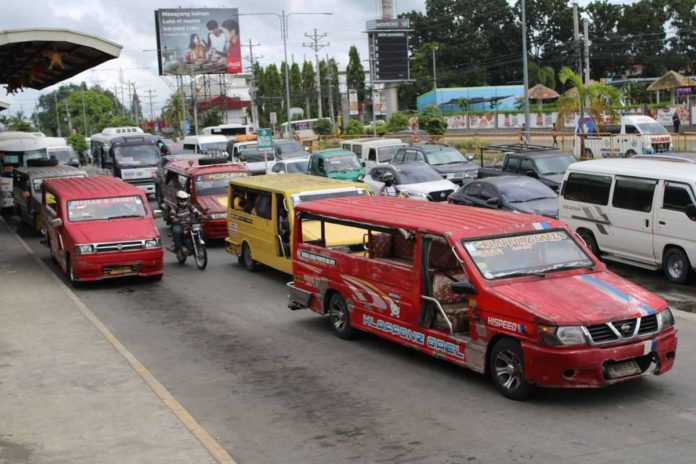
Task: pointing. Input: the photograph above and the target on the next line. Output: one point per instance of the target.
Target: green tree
(323, 127)
(273, 94)
(308, 88)
(212, 117)
(136, 109)
(355, 73)
(431, 121)
(397, 122)
(296, 91)
(172, 112)
(355, 127)
(683, 42)
(78, 142)
(19, 122)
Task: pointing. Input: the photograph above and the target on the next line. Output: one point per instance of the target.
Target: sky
(130, 23)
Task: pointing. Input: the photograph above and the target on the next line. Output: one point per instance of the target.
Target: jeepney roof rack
(517, 148)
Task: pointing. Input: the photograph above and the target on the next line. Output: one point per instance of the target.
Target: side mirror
(493, 201)
(157, 213)
(463, 288)
(56, 222)
(691, 211)
(532, 174)
(361, 177)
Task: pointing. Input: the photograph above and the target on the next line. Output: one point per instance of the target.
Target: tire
(590, 241)
(506, 366)
(200, 255)
(247, 259)
(71, 274)
(156, 278)
(338, 312)
(630, 153)
(676, 266)
(181, 257)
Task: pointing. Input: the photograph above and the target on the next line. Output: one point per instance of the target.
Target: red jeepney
(518, 296)
(100, 227)
(205, 179)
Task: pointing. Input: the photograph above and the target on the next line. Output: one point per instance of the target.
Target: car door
(631, 217)
(488, 194)
(672, 225)
(54, 232)
(471, 194)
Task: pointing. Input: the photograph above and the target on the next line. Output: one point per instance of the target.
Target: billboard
(198, 41)
(353, 102)
(388, 42)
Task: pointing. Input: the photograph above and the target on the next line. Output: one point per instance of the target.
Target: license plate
(623, 369)
(121, 270)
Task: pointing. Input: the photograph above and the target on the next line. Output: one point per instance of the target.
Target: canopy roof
(671, 80)
(4, 106)
(541, 92)
(38, 58)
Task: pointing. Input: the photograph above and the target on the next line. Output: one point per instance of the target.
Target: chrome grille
(602, 333)
(119, 246)
(622, 330)
(648, 325)
(661, 147)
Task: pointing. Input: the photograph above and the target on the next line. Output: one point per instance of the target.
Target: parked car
(446, 160)
(100, 227)
(335, 163)
(285, 149)
(257, 161)
(417, 180)
(539, 161)
(291, 166)
(512, 193)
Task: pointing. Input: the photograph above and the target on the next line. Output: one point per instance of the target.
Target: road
(276, 386)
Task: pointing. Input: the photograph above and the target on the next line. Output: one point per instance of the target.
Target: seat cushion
(442, 287)
(381, 246)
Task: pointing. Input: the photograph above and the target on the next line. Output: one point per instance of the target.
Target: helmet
(388, 175)
(181, 195)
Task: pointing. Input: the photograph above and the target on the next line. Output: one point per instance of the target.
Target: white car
(416, 180)
(292, 165)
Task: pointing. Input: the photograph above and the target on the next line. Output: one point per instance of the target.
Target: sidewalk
(66, 394)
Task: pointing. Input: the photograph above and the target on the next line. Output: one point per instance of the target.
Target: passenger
(389, 189)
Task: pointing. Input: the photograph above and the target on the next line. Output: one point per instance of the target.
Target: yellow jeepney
(260, 217)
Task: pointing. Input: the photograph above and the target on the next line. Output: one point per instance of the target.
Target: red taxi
(100, 227)
(517, 296)
(205, 179)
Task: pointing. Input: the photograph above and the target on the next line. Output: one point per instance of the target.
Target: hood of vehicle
(584, 299)
(212, 203)
(464, 166)
(115, 230)
(427, 187)
(545, 207)
(552, 180)
(352, 174)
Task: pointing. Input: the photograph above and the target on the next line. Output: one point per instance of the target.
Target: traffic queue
(522, 298)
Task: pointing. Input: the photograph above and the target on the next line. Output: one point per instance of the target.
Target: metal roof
(435, 218)
(38, 58)
(292, 183)
(49, 171)
(192, 167)
(91, 187)
(651, 169)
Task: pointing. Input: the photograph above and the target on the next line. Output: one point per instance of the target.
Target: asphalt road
(276, 386)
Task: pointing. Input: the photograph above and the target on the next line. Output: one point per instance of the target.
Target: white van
(635, 211)
(634, 135)
(213, 145)
(373, 151)
(59, 149)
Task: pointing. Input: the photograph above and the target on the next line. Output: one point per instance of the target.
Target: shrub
(323, 127)
(355, 127)
(397, 122)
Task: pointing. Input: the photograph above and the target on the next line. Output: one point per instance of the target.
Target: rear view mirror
(56, 222)
(463, 288)
(493, 201)
(532, 174)
(691, 211)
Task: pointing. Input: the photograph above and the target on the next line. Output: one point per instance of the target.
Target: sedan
(416, 180)
(292, 165)
(513, 193)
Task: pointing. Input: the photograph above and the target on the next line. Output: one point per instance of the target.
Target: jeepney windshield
(342, 163)
(305, 197)
(105, 209)
(528, 254)
(137, 155)
(215, 183)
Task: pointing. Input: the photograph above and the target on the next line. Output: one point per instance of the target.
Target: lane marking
(197, 430)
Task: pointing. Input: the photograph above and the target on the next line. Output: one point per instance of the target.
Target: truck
(542, 162)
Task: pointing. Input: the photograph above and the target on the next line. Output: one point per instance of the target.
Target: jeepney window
(348, 238)
(535, 253)
(372, 155)
(262, 205)
(526, 166)
(393, 247)
(631, 129)
(51, 202)
(634, 194)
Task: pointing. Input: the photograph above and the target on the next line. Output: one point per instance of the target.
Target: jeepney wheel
(676, 266)
(71, 273)
(247, 259)
(507, 369)
(590, 241)
(338, 312)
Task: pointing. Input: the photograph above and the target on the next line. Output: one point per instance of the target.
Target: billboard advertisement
(353, 102)
(198, 41)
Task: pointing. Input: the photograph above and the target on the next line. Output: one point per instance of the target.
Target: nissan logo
(625, 328)
(120, 247)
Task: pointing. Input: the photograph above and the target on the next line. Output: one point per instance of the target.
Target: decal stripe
(644, 309)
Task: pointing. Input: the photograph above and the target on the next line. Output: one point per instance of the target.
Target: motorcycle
(193, 245)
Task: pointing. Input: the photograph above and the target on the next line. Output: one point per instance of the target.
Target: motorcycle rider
(184, 213)
(389, 189)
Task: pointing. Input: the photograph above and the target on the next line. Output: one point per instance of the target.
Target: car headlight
(154, 243)
(471, 173)
(217, 216)
(417, 195)
(563, 335)
(665, 319)
(84, 249)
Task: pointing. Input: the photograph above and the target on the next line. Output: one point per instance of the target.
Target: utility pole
(252, 90)
(149, 94)
(576, 39)
(329, 81)
(123, 97)
(84, 116)
(67, 114)
(433, 50)
(316, 46)
(586, 36)
(525, 72)
(55, 101)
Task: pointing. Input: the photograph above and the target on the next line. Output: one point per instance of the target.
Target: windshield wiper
(125, 216)
(519, 274)
(567, 266)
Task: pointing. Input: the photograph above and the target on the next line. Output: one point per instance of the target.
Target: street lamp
(284, 32)
(433, 50)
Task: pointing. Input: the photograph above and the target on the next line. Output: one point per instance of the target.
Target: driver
(183, 214)
(389, 189)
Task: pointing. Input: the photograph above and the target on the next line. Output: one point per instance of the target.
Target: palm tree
(463, 103)
(595, 99)
(172, 112)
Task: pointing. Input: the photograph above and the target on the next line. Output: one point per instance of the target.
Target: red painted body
(384, 297)
(213, 207)
(126, 232)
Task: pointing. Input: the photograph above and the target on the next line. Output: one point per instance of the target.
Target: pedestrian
(523, 134)
(554, 129)
(676, 122)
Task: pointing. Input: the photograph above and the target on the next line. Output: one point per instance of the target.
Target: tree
(355, 127)
(212, 117)
(78, 142)
(355, 73)
(136, 110)
(323, 127)
(296, 94)
(431, 121)
(19, 122)
(397, 122)
(172, 112)
(273, 95)
(308, 88)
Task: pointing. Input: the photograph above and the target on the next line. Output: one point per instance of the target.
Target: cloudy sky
(131, 23)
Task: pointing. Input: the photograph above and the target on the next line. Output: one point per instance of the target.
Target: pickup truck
(539, 161)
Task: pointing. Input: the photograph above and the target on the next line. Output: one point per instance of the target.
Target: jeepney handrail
(442, 311)
(280, 242)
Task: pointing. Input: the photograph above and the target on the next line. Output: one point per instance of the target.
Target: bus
(127, 153)
(229, 130)
(16, 148)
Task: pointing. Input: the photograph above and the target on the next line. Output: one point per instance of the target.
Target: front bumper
(214, 229)
(587, 366)
(99, 266)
